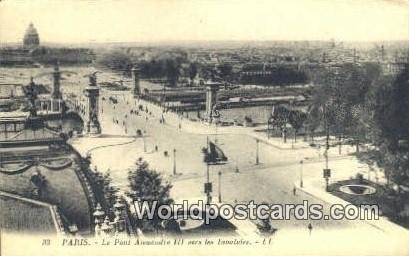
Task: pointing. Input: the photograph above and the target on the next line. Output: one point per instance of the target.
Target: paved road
(272, 181)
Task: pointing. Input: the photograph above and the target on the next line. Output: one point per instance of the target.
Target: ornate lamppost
(327, 170)
(220, 188)
(257, 151)
(301, 173)
(174, 161)
(99, 218)
(207, 184)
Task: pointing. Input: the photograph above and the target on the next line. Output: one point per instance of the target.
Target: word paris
(155, 242)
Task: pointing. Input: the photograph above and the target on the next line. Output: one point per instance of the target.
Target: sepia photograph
(204, 127)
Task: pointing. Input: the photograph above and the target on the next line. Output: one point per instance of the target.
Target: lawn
(21, 216)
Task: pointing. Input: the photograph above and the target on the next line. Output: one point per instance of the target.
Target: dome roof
(31, 30)
(31, 38)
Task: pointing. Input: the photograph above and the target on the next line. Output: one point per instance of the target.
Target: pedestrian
(156, 148)
(310, 227)
(294, 191)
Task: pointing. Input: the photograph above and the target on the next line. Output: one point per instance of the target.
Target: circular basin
(357, 189)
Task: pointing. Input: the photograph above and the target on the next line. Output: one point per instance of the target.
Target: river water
(76, 82)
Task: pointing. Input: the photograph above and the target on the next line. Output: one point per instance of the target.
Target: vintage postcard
(204, 127)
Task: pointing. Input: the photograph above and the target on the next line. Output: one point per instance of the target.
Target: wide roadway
(272, 181)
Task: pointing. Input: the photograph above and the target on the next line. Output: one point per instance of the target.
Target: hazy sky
(162, 20)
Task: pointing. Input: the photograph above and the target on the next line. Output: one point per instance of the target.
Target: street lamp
(220, 189)
(301, 174)
(326, 171)
(270, 121)
(174, 161)
(207, 184)
(144, 141)
(215, 137)
(268, 128)
(257, 151)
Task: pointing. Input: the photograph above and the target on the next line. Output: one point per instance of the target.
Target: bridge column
(60, 106)
(56, 93)
(211, 100)
(92, 125)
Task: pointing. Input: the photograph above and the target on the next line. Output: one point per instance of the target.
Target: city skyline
(100, 22)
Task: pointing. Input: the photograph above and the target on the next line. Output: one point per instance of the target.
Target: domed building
(31, 38)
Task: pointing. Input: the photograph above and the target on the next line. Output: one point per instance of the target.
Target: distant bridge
(56, 105)
(85, 104)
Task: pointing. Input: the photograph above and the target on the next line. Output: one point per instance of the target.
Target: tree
(390, 132)
(296, 119)
(361, 121)
(147, 185)
(40, 183)
(342, 91)
(313, 121)
(153, 68)
(192, 72)
(280, 120)
(105, 193)
(391, 111)
(172, 68)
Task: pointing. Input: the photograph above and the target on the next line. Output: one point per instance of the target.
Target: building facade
(31, 38)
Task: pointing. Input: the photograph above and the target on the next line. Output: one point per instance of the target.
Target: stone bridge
(85, 104)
